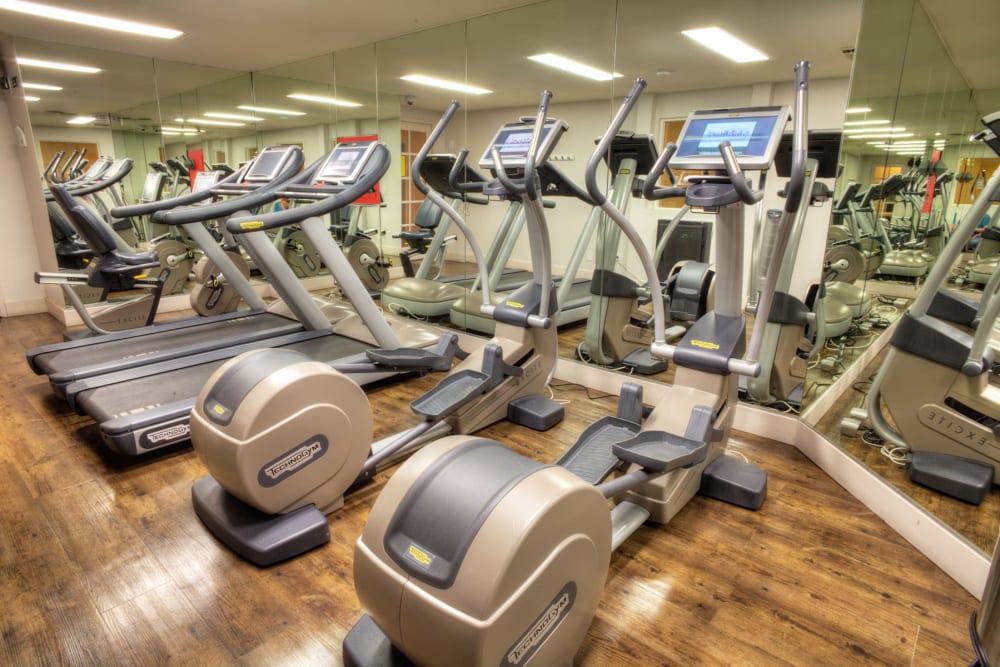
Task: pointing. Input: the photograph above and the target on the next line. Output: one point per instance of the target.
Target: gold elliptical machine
(284, 438)
(476, 555)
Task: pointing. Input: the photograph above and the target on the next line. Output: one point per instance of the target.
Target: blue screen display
(748, 135)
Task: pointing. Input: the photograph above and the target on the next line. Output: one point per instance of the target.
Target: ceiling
(489, 50)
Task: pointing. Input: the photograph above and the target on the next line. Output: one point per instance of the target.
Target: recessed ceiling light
(39, 86)
(573, 67)
(81, 120)
(287, 112)
(866, 122)
(89, 20)
(724, 44)
(447, 85)
(206, 121)
(323, 100)
(32, 98)
(232, 116)
(858, 110)
(65, 67)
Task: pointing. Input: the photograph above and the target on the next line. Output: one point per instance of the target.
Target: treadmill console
(753, 132)
(268, 164)
(513, 140)
(152, 187)
(206, 180)
(344, 163)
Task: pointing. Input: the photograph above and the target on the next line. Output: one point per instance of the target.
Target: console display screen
(753, 133)
(514, 139)
(267, 164)
(152, 187)
(345, 163)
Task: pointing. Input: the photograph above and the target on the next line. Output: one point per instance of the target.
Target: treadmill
(145, 408)
(251, 186)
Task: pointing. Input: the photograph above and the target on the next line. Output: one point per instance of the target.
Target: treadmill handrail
(224, 209)
(372, 173)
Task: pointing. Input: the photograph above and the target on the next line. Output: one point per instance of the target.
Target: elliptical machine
(476, 555)
(284, 438)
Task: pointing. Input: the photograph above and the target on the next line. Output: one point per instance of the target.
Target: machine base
(535, 411)
(645, 363)
(955, 476)
(262, 539)
(735, 482)
(367, 646)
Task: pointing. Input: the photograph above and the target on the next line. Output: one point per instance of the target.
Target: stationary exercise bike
(934, 383)
(475, 555)
(284, 438)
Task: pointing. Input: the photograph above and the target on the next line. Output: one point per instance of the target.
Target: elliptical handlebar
(604, 145)
(590, 178)
(650, 190)
(530, 187)
(747, 194)
(457, 169)
(799, 139)
(439, 200)
(418, 180)
(102, 183)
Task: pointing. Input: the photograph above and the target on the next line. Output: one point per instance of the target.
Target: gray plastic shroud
(735, 482)
(262, 539)
(711, 342)
(535, 411)
(936, 341)
(439, 530)
(953, 307)
(229, 391)
(787, 309)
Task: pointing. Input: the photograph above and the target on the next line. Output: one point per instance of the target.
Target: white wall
(24, 225)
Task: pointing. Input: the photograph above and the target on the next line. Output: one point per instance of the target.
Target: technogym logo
(165, 436)
(292, 461)
(542, 628)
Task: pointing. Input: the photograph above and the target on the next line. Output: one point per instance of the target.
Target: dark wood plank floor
(104, 562)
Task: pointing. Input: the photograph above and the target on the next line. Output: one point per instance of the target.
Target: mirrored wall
(902, 77)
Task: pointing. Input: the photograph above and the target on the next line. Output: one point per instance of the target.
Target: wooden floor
(104, 562)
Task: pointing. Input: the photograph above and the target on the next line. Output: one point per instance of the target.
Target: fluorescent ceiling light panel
(879, 135)
(323, 100)
(865, 130)
(39, 86)
(207, 121)
(89, 20)
(433, 82)
(233, 116)
(573, 67)
(858, 110)
(866, 122)
(65, 67)
(175, 133)
(32, 98)
(81, 120)
(286, 112)
(186, 130)
(724, 44)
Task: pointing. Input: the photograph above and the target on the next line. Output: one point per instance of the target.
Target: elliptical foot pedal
(591, 458)
(660, 451)
(535, 411)
(956, 476)
(262, 539)
(367, 646)
(409, 359)
(644, 363)
(450, 394)
(734, 481)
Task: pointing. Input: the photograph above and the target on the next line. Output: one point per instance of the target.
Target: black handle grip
(800, 140)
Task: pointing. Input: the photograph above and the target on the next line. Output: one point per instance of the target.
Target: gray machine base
(955, 476)
(644, 363)
(262, 539)
(735, 482)
(367, 646)
(535, 411)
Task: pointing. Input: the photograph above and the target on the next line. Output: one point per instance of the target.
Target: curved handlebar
(102, 183)
(747, 194)
(530, 187)
(650, 190)
(186, 199)
(457, 169)
(62, 176)
(501, 173)
(418, 180)
(590, 174)
(799, 139)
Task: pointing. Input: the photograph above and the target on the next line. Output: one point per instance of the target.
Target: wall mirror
(910, 107)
